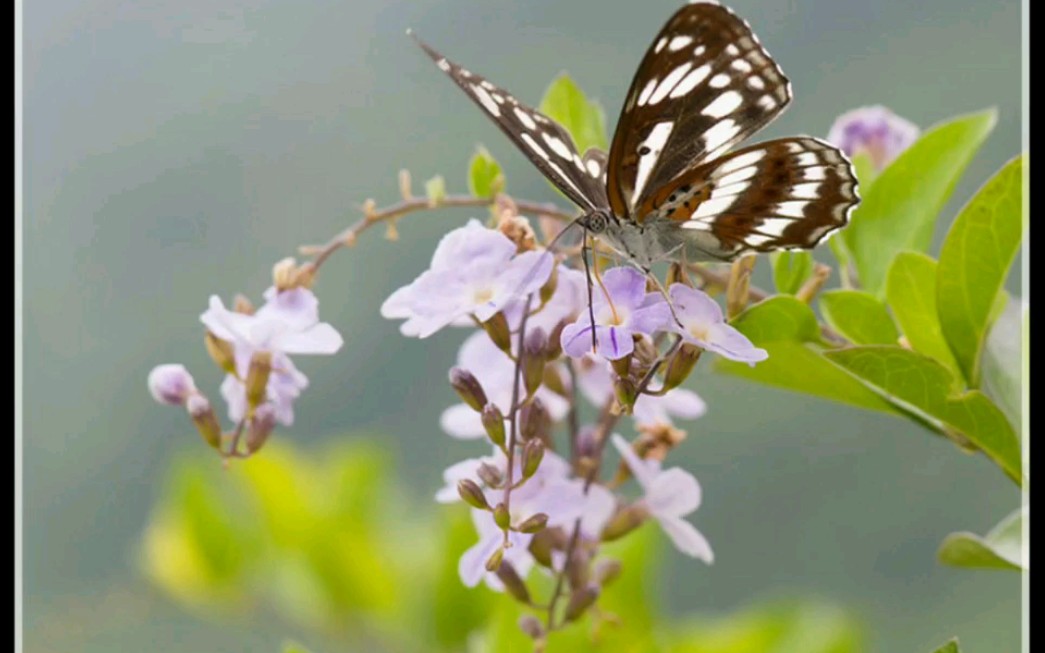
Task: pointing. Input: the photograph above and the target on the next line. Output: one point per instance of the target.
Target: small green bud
(532, 454)
(472, 494)
(261, 425)
(513, 582)
(626, 394)
(501, 517)
(258, 378)
(681, 365)
(490, 475)
(531, 626)
(533, 354)
(493, 422)
(534, 421)
(468, 388)
(221, 352)
(533, 523)
(580, 601)
(204, 419)
(495, 560)
(625, 521)
(497, 328)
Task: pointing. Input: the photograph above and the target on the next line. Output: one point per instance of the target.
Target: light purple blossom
(703, 324)
(288, 323)
(474, 272)
(171, 384)
(624, 310)
(595, 381)
(669, 495)
(568, 301)
(876, 130)
(495, 373)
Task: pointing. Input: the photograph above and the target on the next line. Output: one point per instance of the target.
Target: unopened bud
(513, 582)
(532, 454)
(495, 560)
(258, 378)
(518, 230)
(531, 626)
(554, 348)
(497, 328)
(534, 421)
(171, 384)
(622, 366)
(578, 568)
(221, 352)
(625, 521)
(284, 274)
(493, 422)
(241, 304)
(472, 494)
(624, 391)
(580, 601)
(490, 475)
(677, 274)
(546, 541)
(738, 288)
(548, 289)
(681, 365)
(204, 419)
(606, 571)
(533, 359)
(502, 517)
(261, 426)
(533, 523)
(553, 381)
(468, 388)
(404, 184)
(306, 275)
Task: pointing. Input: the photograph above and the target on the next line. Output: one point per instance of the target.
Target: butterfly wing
(704, 85)
(544, 142)
(787, 193)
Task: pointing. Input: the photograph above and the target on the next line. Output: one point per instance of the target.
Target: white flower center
(698, 330)
(482, 295)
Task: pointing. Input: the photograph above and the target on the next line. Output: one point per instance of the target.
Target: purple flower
(288, 323)
(624, 310)
(171, 384)
(475, 272)
(875, 130)
(595, 380)
(495, 373)
(669, 495)
(568, 301)
(703, 324)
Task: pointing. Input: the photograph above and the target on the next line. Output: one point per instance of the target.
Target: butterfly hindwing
(787, 193)
(704, 85)
(544, 142)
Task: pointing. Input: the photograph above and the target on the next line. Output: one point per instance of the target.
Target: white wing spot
(754, 240)
(679, 42)
(696, 225)
(775, 226)
(748, 159)
(756, 83)
(525, 119)
(746, 43)
(794, 209)
(691, 81)
(720, 134)
(560, 148)
(443, 64)
(766, 102)
(723, 105)
(532, 144)
(720, 80)
(732, 50)
(807, 191)
(746, 172)
(700, 50)
(654, 143)
(741, 66)
(669, 82)
(486, 100)
(714, 206)
(594, 169)
(814, 174)
(660, 44)
(807, 159)
(647, 91)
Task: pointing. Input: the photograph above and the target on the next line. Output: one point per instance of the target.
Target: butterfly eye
(596, 221)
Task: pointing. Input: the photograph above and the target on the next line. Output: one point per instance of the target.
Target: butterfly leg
(587, 276)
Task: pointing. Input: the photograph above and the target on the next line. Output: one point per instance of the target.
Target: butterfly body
(670, 187)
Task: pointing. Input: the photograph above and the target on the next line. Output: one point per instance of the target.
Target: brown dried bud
(532, 454)
(546, 541)
(502, 517)
(241, 304)
(493, 563)
(738, 288)
(497, 328)
(580, 601)
(258, 378)
(625, 521)
(204, 419)
(468, 388)
(518, 230)
(549, 287)
(513, 582)
(472, 494)
(578, 568)
(534, 421)
(606, 571)
(677, 274)
(681, 364)
(306, 275)
(221, 352)
(284, 274)
(531, 626)
(533, 523)
(554, 347)
(493, 422)
(490, 475)
(533, 359)
(656, 440)
(261, 425)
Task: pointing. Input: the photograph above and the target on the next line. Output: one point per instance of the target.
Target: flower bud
(490, 475)
(497, 328)
(533, 523)
(531, 626)
(580, 601)
(204, 419)
(502, 517)
(548, 289)
(534, 421)
(677, 274)
(553, 381)
(221, 352)
(739, 286)
(532, 454)
(472, 494)
(493, 422)
(875, 131)
(681, 365)
(622, 366)
(468, 388)
(241, 304)
(513, 582)
(495, 560)
(533, 359)
(284, 273)
(258, 378)
(606, 571)
(518, 230)
(171, 384)
(625, 521)
(546, 541)
(626, 394)
(578, 568)
(554, 347)
(261, 426)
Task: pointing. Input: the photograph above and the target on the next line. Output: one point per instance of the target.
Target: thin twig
(513, 412)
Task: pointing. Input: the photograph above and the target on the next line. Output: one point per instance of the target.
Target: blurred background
(178, 149)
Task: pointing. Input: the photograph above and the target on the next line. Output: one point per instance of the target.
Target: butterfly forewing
(782, 194)
(546, 144)
(704, 85)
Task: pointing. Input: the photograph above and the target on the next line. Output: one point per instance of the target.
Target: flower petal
(321, 338)
(462, 422)
(673, 493)
(625, 285)
(472, 565)
(687, 539)
(644, 471)
(725, 340)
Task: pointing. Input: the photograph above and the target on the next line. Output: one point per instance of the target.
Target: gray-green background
(175, 149)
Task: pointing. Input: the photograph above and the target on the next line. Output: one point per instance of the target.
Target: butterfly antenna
(591, 304)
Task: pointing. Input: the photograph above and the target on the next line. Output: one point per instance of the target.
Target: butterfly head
(596, 221)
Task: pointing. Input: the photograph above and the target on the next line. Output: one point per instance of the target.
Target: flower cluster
(253, 348)
(537, 499)
(875, 131)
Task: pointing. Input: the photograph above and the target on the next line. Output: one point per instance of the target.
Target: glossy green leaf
(485, 178)
(910, 289)
(790, 270)
(949, 647)
(1001, 548)
(929, 390)
(565, 103)
(788, 330)
(899, 209)
(1003, 361)
(974, 261)
(858, 316)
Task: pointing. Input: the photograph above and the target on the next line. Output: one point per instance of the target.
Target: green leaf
(1003, 362)
(930, 391)
(565, 103)
(899, 209)
(858, 316)
(790, 270)
(910, 288)
(865, 171)
(1001, 548)
(949, 647)
(485, 178)
(435, 190)
(974, 261)
(294, 647)
(787, 329)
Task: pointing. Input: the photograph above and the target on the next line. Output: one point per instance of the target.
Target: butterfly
(671, 186)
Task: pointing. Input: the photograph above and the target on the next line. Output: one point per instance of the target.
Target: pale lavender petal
(567, 302)
(644, 471)
(654, 316)
(682, 403)
(472, 565)
(673, 493)
(627, 286)
(297, 308)
(462, 422)
(235, 395)
(687, 539)
(694, 304)
(466, 469)
(599, 506)
(725, 340)
(470, 242)
(225, 324)
(562, 500)
(321, 338)
(398, 304)
(171, 384)
(613, 342)
(875, 130)
(576, 338)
